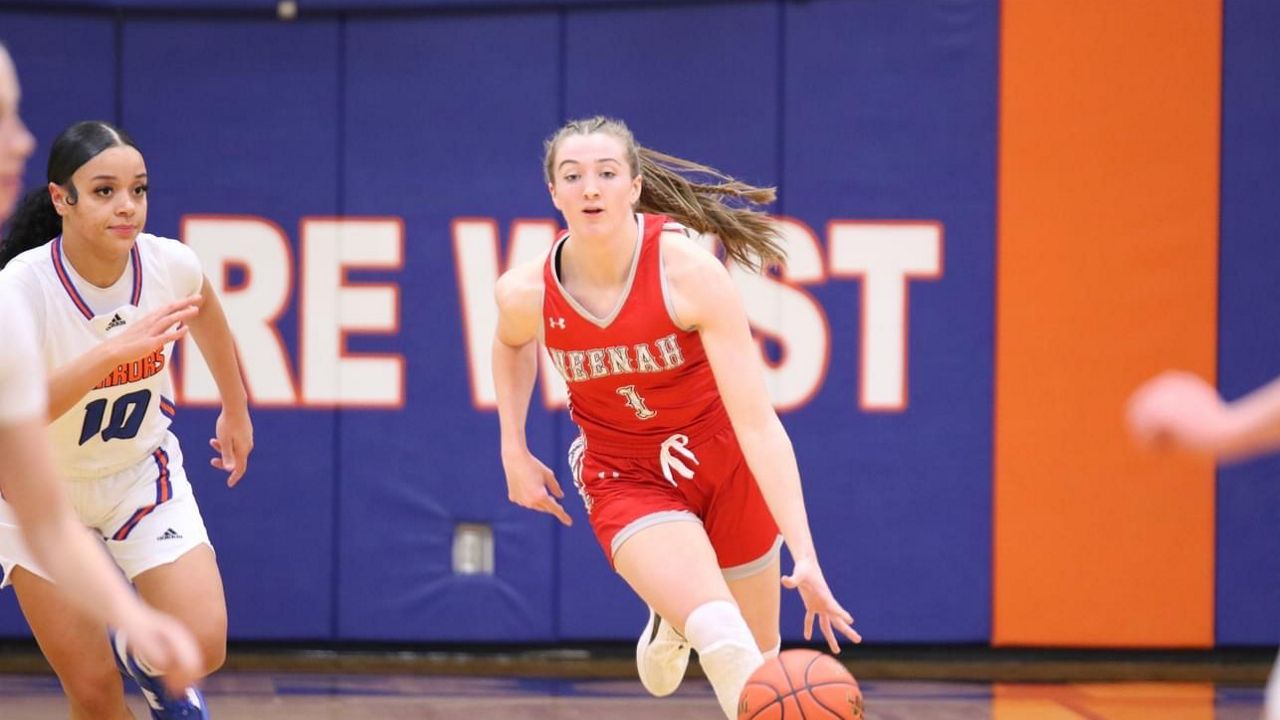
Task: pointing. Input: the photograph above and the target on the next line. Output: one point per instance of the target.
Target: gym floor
(595, 684)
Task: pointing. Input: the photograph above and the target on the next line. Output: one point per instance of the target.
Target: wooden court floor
(240, 695)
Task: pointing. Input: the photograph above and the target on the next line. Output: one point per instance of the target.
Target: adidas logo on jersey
(170, 534)
(116, 322)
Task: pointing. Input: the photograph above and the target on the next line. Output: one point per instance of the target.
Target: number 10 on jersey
(125, 421)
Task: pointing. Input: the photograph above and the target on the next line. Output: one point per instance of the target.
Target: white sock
(726, 650)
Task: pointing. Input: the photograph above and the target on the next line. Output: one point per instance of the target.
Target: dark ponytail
(35, 222)
(33, 218)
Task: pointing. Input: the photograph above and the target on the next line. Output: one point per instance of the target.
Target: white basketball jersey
(22, 379)
(126, 415)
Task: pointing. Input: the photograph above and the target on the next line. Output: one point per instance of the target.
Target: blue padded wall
(435, 110)
(1248, 570)
(440, 116)
(239, 117)
(890, 113)
(431, 135)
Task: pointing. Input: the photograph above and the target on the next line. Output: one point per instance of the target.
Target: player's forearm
(213, 336)
(70, 382)
(514, 371)
(772, 460)
(1253, 422)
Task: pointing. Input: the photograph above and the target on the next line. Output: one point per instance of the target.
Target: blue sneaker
(162, 705)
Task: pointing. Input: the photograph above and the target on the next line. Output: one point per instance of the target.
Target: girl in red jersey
(686, 472)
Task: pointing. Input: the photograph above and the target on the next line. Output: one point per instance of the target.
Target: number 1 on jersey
(126, 417)
(635, 402)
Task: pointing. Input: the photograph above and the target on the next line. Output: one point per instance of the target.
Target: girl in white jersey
(1179, 409)
(28, 483)
(76, 255)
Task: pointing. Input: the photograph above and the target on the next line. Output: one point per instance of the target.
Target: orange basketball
(801, 684)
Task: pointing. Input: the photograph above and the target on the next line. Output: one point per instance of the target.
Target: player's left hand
(233, 443)
(806, 577)
(1179, 409)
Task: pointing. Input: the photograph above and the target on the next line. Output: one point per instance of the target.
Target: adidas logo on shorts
(116, 322)
(170, 534)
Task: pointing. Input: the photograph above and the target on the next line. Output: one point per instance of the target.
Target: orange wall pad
(1107, 273)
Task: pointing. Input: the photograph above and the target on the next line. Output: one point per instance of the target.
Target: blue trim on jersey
(136, 296)
(61, 270)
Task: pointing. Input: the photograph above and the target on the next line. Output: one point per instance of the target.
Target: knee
(210, 632)
(717, 623)
(726, 650)
(96, 692)
(213, 648)
(215, 654)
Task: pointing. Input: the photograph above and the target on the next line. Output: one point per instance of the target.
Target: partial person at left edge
(105, 302)
(34, 494)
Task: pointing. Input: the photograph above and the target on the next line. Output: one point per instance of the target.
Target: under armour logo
(116, 322)
(557, 323)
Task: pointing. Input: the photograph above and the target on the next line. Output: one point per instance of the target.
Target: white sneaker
(662, 655)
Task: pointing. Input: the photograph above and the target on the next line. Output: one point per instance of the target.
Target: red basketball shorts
(684, 479)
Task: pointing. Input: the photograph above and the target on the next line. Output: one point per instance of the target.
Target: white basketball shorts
(146, 515)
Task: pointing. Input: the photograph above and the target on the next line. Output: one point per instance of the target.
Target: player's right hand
(164, 644)
(530, 484)
(157, 328)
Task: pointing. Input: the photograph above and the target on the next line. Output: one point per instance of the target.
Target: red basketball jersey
(635, 378)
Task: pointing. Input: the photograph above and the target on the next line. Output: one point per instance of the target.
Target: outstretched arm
(530, 483)
(706, 298)
(1181, 409)
(233, 430)
(70, 382)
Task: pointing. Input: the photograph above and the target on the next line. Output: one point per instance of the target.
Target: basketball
(801, 684)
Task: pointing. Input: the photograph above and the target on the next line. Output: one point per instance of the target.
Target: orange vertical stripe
(1108, 225)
